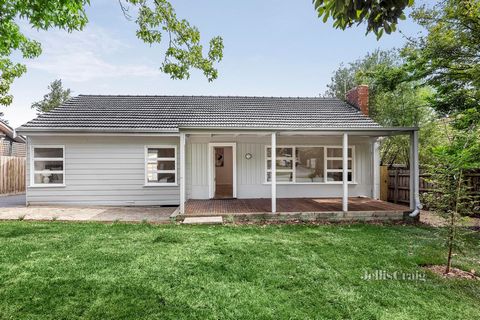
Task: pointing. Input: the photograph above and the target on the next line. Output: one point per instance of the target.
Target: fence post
(384, 183)
(395, 186)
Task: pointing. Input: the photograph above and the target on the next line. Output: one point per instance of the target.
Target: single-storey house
(175, 150)
(11, 144)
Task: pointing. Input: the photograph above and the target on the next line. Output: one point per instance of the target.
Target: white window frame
(326, 158)
(325, 170)
(33, 171)
(292, 158)
(161, 184)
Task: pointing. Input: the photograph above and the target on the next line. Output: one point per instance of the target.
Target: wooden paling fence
(395, 184)
(12, 175)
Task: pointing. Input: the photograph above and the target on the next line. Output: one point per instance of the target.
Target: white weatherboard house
(169, 150)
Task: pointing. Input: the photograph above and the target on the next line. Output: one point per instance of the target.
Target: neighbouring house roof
(171, 113)
(9, 132)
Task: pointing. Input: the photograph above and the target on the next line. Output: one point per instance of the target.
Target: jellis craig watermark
(383, 275)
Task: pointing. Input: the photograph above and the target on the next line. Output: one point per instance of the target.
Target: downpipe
(418, 207)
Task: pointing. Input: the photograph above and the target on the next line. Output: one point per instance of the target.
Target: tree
(380, 15)
(447, 57)
(154, 19)
(390, 105)
(347, 77)
(56, 97)
(450, 196)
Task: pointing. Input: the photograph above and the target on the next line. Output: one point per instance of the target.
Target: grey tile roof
(169, 113)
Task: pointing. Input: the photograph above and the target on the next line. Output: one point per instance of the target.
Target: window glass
(315, 164)
(154, 153)
(161, 165)
(41, 165)
(337, 176)
(309, 164)
(48, 152)
(48, 165)
(281, 152)
(48, 178)
(159, 170)
(281, 176)
(161, 177)
(281, 164)
(337, 164)
(337, 152)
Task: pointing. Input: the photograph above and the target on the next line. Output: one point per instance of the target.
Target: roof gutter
(51, 130)
(359, 129)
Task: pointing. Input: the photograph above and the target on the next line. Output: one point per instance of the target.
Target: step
(203, 220)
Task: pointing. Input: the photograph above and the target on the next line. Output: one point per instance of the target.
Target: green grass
(59, 270)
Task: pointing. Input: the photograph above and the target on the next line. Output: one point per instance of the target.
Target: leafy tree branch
(154, 19)
(379, 15)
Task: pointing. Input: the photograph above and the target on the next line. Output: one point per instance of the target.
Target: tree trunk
(450, 251)
(452, 226)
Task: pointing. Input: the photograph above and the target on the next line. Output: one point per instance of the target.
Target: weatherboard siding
(102, 170)
(251, 173)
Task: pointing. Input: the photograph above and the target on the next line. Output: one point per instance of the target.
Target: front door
(223, 177)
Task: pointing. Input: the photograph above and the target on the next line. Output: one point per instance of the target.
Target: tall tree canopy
(447, 57)
(402, 105)
(54, 98)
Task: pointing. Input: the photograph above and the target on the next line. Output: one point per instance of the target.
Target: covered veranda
(343, 203)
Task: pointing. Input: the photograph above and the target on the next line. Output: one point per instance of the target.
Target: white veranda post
(345, 172)
(414, 170)
(182, 172)
(273, 172)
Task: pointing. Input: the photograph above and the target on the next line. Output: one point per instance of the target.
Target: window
(335, 164)
(284, 163)
(161, 165)
(48, 165)
(309, 164)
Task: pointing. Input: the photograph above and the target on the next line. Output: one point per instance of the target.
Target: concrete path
(13, 201)
(203, 220)
(104, 214)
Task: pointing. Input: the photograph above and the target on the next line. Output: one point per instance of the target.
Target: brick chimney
(358, 97)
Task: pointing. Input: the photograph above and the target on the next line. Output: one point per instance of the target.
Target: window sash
(46, 171)
(326, 170)
(156, 160)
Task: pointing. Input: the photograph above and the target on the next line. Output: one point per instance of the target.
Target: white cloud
(85, 56)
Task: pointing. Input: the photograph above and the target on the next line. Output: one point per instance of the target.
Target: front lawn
(59, 270)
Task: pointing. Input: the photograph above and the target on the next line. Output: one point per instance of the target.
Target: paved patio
(100, 214)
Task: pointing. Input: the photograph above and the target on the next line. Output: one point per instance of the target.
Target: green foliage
(154, 19)
(380, 16)
(184, 48)
(447, 57)
(390, 104)
(358, 72)
(56, 97)
(450, 196)
(64, 14)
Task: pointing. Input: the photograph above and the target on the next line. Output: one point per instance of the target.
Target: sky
(272, 48)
